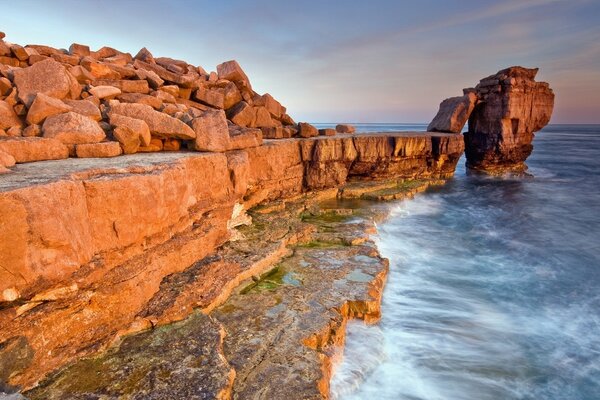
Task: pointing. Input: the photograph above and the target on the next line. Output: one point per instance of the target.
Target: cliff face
(504, 111)
(87, 246)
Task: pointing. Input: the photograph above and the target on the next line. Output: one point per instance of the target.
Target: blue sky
(356, 61)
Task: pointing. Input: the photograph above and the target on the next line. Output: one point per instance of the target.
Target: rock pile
(57, 103)
(504, 111)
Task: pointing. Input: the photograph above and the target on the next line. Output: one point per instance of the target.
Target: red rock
(262, 118)
(6, 160)
(289, 131)
(153, 79)
(512, 107)
(85, 107)
(185, 93)
(231, 71)
(5, 86)
(275, 132)
(144, 55)
(81, 74)
(138, 126)
(171, 145)
(28, 149)
(105, 52)
(182, 80)
(13, 62)
(149, 100)
(129, 140)
(99, 70)
(66, 59)
(210, 97)
(104, 92)
(244, 138)
(212, 132)
(72, 128)
(306, 130)
(241, 114)
(453, 114)
(14, 131)
(160, 124)
(327, 132)
(19, 52)
(154, 146)
(231, 95)
(8, 117)
(345, 128)
(98, 150)
(48, 77)
(45, 106)
(126, 86)
(164, 96)
(32, 131)
(273, 106)
(79, 50)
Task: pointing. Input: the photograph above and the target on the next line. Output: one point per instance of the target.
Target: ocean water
(494, 285)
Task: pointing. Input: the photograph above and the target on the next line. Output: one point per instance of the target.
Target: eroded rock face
(512, 107)
(48, 77)
(453, 114)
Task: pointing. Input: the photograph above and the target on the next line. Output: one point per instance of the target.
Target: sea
(494, 284)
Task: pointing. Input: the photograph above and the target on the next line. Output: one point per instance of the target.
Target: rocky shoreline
(168, 232)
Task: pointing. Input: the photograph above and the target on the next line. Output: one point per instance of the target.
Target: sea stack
(509, 107)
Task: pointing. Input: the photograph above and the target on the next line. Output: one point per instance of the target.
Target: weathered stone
(14, 131)
(147, 99)
(345, 128)
(152, 77)
(306, 130)
(45, 106)
(105, 52)
(503, 123)
(171, 145)
(79, 50)
(327, 132)
(98, 150)
(32, 131)
(6, 160)
(262, 118)
(144, 55)
(99, 70)
(210, 97)
(453, 114)
(13, 62)
(5, 86)
(85, 107)
(81, 74)
(66, 58)
(138, 126)
(126, 86)
(72, 128)
(48, 77)
(8, 117)
(182, 80)
(212, 132)
(241, 114)
(155, 145)
(129, 140)
(231, 95)
(105, 92)
(28, 149)
(19, 52)
(273, 106)
(244, 138)
(160, 124)
(231, 71)
(275, 132)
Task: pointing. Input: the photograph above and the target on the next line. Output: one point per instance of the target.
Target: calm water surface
(494, 288)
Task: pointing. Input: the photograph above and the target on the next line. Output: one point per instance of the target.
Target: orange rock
(273, 106)
(98, 150)
(306, 130)
(244, 138)
(28, 149)
(210, 97)
(160, 124)
(45, 106)
(8, 117)
(6, 160)
(155, 145)
(32, 131)
(275, 132)
(105, 92)
(79, 50)
(151, 101)
(144, 55)
(85, 107)
(327, 132)
(212, 133)
(129, 139)
(48, 77)
(262, 118)
(99, 70)
(231, 95)
(125, 86)
(242, 114)
(5, 86)
(19, 52)
(345, 128)
(136, 125)
(453, 114)
(171, 145)
(231, 71)
(72, 128)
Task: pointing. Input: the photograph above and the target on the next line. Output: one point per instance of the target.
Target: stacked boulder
(504, 111)
(58, 103)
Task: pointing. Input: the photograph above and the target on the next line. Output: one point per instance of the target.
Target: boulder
(306, 130)
(345, 128)
(105, 92)
(453, 114)
(5, 86)
(212, 132)
(32, 131)
(186, 80)
(72, 128)
(160, 124)
(138, 126)
(98, 150)
(28, 149)
(147, 99)
(231, 71)
(129, 139)
(81, 74)
(171, 145)
(512, 107)
(244, 138)
(241, 114)
(6, 160)
(126, 86)
(79, 50)
(327, 132)
(231, 95)
(210, 97)
(273, 106)
(85, 107)
(274, 132)
(19, 52)
(154, 146)
(45, 106)
(144, 55)
(8, 117)
(48, 77)
(262, 118)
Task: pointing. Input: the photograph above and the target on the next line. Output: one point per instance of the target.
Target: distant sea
(494, 288)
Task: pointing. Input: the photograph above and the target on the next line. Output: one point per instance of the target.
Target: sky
(345, 61)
